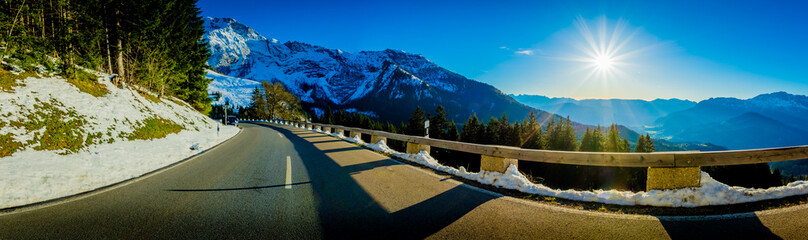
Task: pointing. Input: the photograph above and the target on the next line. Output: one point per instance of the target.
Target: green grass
(62, 129)
(154, 128)
(8, 146)
(8, 80)
(88, 83)
(148, 96)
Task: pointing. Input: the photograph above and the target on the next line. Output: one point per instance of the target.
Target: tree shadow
(744, 227)
(346, 210)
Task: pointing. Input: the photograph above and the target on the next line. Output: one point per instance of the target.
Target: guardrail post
(352, 134)
(327, 129)
(672, 178)
(339, 131)
(416, 148)
(496, 164)
(376, 139)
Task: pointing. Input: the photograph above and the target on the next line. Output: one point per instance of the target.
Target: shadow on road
(737, 228)
(346, 211)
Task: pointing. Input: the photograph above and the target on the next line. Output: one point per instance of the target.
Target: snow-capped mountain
(388, 83)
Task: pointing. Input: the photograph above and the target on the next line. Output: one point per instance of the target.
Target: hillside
(60, 137)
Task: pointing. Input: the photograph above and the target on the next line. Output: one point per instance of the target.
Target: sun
(603, 49)
(603, 62)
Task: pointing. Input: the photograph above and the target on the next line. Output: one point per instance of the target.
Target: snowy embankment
(710, 193)
(104, 139)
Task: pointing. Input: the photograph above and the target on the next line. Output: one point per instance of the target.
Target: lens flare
(604, 48)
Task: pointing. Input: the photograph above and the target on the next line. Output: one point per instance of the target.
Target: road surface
(273, 182)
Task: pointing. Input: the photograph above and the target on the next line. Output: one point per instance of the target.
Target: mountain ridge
(324, 78)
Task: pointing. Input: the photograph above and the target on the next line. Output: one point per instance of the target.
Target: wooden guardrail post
(661, 178)
(496, 164)
(327, 129)
(339, 131)
(416, 148)
(376, 139)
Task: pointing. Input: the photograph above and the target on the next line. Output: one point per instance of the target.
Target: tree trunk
(109, 55)
(119, 45)
(42, 20)
(53, 27)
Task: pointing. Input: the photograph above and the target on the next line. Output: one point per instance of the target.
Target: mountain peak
(230, 24)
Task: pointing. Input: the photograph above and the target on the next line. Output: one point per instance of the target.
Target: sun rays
(603, 49)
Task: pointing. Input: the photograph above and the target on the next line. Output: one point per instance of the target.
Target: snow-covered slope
(236, 91)
(390, 83)
(64, 141)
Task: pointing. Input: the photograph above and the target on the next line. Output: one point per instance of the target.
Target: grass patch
(148, 96)
(8, 80)
(62, 129)
(154, 128)
(88, 83)
(8, 146)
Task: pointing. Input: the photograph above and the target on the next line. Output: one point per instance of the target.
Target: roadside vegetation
(87, 83)
(53, 129)
(154, 128)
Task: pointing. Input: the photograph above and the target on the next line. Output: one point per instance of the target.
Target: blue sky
(677, 49)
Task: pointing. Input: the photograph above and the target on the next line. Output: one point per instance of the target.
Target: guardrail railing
(666, 170)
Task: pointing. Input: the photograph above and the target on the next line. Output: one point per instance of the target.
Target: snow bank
(30, 176)
(710, 193)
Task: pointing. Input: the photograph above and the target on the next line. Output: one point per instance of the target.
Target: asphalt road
(271, 182)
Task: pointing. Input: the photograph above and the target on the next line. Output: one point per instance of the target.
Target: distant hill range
(635, 114)
(767, 120)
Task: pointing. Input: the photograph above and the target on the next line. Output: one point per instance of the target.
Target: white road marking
(279, 134)
(288, 173)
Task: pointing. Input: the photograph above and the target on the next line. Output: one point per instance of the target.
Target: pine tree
(614, 142)
(640, 147)
(452, 133)
(471, 130)
(587, 145)
(492, 132)
(438, 124)
(415, 126)
(532, 133)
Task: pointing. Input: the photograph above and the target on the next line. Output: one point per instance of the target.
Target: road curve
(272, 182)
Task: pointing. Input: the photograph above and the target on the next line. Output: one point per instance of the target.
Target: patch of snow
(368, 113)
(318, 112)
